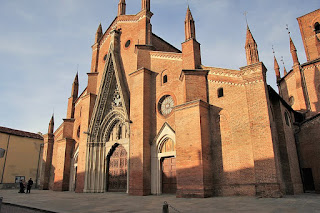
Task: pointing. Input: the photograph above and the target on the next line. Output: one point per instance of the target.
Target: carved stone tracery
(108, 124)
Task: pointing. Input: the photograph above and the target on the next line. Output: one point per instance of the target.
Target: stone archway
(114, 131)
(117, 169)
(162, 148)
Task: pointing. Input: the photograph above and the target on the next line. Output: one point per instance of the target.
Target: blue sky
(43, 42)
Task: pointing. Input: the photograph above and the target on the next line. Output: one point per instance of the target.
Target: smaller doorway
(169, 180)
(308, 182)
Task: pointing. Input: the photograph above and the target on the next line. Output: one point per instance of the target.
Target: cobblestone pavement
(69, 202)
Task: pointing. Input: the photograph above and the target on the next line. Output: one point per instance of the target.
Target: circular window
(127, 44)
(166, 105)
(291, 100)
(105, 57)
(78, 132)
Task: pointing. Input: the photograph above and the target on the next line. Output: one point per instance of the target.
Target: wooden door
(117, 176)
(169, 181)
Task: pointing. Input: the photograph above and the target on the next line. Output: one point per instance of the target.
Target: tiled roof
(20, 133)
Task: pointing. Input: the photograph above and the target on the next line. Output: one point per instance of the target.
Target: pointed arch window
(78, 132)
(165, 79)
(220, 92)
(287, 118)
(317, 27)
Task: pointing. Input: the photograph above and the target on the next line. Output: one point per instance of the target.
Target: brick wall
(309, 148)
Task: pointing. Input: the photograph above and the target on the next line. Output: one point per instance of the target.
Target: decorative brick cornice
(236, 84)
(306, 67)
(225, 73)
(166, 55)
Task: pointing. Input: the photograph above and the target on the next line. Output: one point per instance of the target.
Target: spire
(284, 67)
(51, 125)
(251, 48)
(98, 34)
(145, 5)
(293, 51)
(121, 7)
(276, 68)
(75, 87)
(189, 26)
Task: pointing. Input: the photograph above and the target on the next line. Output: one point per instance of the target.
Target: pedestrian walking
(29, 185)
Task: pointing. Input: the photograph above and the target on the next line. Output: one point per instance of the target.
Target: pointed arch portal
(108, 141)
(163, 161)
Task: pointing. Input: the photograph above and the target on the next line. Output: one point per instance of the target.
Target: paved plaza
(69, 202)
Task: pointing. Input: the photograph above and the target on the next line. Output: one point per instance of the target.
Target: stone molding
(166, 55)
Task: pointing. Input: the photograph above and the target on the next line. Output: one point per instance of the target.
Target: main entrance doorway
(169, 181)
(117, 170)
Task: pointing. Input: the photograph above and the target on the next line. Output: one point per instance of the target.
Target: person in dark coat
(29, 185)
(21, 187)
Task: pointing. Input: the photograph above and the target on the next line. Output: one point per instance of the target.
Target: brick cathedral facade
(154, 119)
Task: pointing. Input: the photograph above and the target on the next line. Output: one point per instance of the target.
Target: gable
(113, 97)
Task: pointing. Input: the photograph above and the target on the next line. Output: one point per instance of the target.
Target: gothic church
(153, 119)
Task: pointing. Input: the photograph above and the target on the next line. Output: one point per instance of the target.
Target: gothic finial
(284, 67)
(287, 27)
(121, 7)
(51, 125)
(98, 33)
(273, 51)
(190, 31)
(145, 5)
(276, 68)
(293, 50)
(245, 15)
(75, 87)
(251, 47)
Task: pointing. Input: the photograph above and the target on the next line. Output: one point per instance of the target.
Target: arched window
(287, 118)
(165, 79)
(78, 132)
(220, 92)
(119, 132)
(317, 27)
